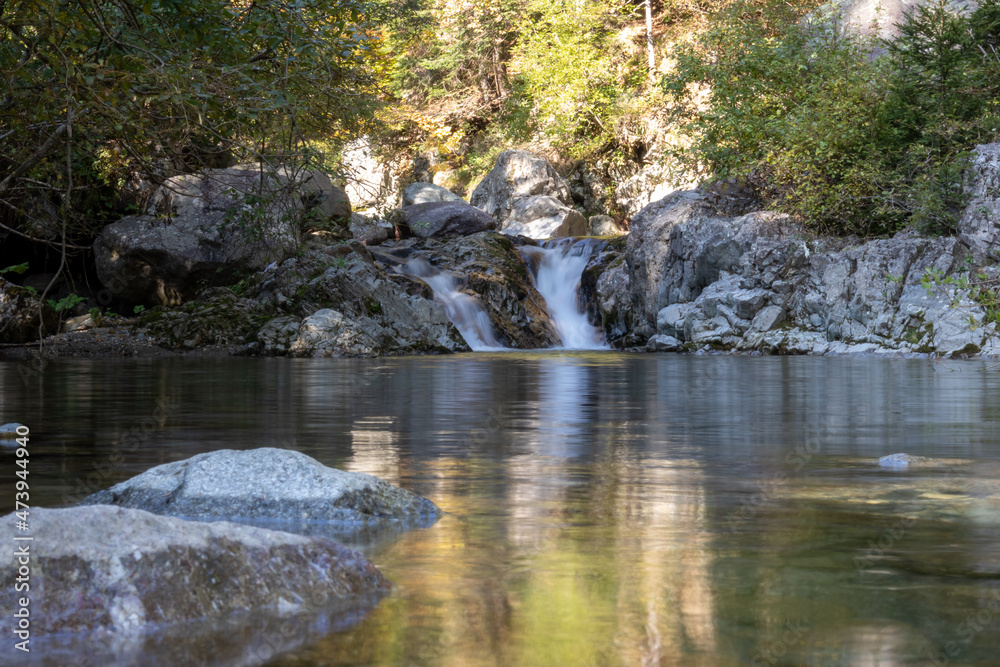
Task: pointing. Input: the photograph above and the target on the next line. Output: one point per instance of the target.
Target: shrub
(824, 128)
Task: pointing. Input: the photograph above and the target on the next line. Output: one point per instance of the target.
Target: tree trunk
(650, 56)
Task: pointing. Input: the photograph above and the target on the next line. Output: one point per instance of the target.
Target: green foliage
(95, 93)
(566, 60)
(451, 49)
(981, 290)
(66, 303)
(16, 268)
(825, 129)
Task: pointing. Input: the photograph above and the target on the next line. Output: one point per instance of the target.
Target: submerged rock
(114, 570)
(905, 461)
(265, 483)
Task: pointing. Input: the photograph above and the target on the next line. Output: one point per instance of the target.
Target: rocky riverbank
(147, 558)
(316, 280)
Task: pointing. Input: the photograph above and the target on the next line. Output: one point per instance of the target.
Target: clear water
(604, 508)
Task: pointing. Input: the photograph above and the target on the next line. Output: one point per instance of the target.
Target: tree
(94, 92)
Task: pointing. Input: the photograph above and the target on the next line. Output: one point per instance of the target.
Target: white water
(466, 312)
(556, 268)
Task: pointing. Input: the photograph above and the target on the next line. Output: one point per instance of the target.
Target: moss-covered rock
(218, 317)
(21, 317)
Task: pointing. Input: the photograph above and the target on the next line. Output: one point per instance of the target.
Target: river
(603, 508)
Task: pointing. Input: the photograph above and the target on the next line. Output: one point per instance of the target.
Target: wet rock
(543, 217)
(20, 315)
(516, 175)
(446, 218)
(604, 289)
(487, 265)
(9, 431)
(265, 483)
(661, 343)
(208, 228)
(377, 313)
(426, 193)
(110, 570)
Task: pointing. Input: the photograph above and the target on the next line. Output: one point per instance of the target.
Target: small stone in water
(901, 460)
(9, 431)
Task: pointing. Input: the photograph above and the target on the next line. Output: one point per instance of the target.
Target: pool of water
(603, 508)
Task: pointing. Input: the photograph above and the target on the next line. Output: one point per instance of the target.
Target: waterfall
(466, 312)
(556, 268)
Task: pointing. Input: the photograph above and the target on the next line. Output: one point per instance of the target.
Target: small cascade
(556, 268)
(466, 312)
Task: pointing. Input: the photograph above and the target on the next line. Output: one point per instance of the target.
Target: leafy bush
(824, 128)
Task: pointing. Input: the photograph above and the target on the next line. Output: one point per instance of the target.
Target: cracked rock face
(265, 483)
(760, 282)
(109, 570)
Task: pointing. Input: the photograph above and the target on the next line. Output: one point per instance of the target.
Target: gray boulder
(446, 218)
(370, 231)
(20, 315)
(110, 570)
(426, 193)
(543, 217)
(370, 183)
(603, 225)
(518, 174)
(653, 181)
(265, 483)
(208, 228)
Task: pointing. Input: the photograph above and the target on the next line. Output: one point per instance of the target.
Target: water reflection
(604, 509)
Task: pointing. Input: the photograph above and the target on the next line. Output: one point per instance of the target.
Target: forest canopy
(96, 92)
(851, 134)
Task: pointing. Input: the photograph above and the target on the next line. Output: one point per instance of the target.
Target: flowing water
(556, 267)
(603, 508)
(465, 311)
